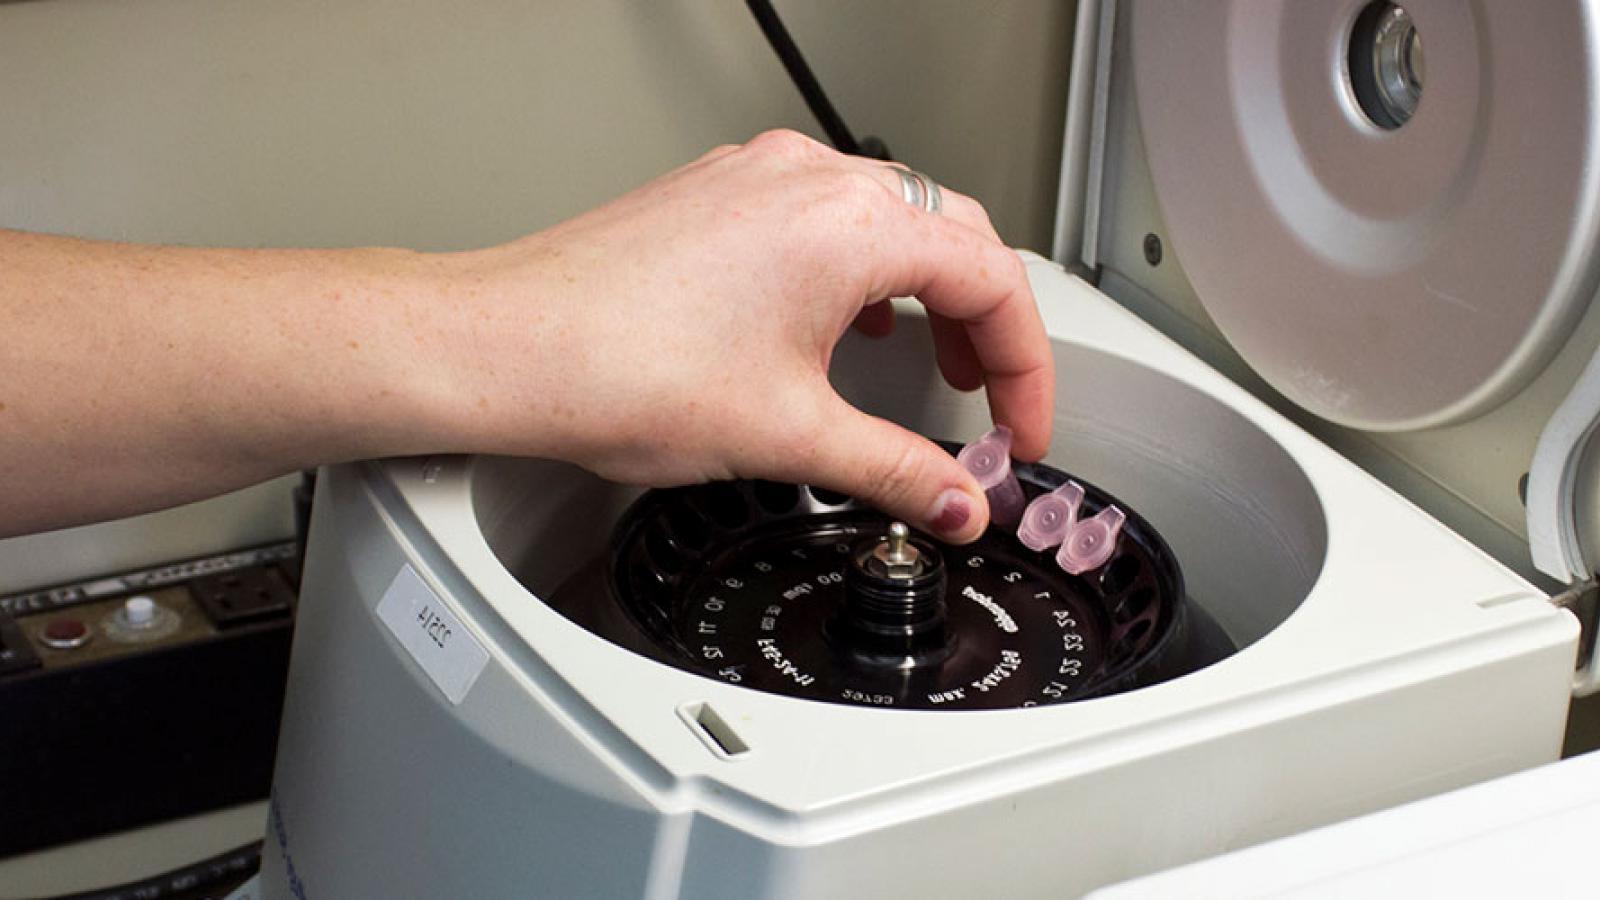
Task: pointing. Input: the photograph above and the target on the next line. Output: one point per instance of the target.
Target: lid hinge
(1582, 599)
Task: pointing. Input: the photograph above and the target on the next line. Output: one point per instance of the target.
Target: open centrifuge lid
(1391, 213)
(1384, 278)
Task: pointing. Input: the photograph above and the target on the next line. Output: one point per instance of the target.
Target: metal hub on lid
(798, 591)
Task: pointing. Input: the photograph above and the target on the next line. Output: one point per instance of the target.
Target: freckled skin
(679, 333)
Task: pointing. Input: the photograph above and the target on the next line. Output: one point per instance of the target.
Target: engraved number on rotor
(869, 699)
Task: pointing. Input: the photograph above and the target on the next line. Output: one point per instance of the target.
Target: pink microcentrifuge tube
(989, 460)
(1091, 542)
(1050, 516)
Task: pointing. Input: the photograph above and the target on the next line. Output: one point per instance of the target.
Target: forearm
(680, 333)
(135, 377)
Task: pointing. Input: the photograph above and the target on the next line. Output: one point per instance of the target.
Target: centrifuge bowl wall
(1240, 514)
(1389, 659)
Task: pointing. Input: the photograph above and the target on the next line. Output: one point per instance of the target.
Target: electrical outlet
(243, 595)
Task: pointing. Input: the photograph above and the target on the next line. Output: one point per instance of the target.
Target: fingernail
(950, 512)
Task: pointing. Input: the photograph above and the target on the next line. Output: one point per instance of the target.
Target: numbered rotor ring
(799, 591)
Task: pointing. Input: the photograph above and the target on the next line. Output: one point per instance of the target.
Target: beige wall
(443, 125)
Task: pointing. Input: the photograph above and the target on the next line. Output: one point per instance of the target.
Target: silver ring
(919, 190)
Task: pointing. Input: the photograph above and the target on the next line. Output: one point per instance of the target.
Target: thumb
(901, 473)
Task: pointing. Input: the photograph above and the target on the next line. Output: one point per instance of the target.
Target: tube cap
(1090, 543)
(989, 460)
(1048, 519)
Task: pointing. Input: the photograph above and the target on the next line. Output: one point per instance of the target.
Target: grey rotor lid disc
(1383, 276)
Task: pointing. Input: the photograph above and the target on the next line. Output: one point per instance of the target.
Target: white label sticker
(432, 633)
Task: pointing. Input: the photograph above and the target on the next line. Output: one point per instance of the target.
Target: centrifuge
(1318, 266)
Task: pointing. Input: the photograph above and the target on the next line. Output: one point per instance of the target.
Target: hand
(678, 334)
(683, 332)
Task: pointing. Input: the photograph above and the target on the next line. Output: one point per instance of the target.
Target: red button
(66, 633)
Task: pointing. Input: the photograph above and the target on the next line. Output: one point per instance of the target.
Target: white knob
(139, 611)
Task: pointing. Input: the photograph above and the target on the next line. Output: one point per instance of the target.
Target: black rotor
(800, 591)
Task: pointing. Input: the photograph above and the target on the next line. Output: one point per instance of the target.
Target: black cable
(204, 880)
(810, 89)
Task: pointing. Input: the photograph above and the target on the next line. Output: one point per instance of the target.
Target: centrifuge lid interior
(1411, 195)
(1391, 213)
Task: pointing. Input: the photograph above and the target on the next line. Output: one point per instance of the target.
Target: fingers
(959, 207)
(955, 205)
(958, 361)
(970, 279)
(986, 326)
(876, 320)
(896, 471)
(985, 322)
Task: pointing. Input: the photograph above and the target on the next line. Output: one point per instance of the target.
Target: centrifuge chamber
(1382, 658)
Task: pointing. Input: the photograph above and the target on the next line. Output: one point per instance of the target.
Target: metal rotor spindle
(894, 611)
